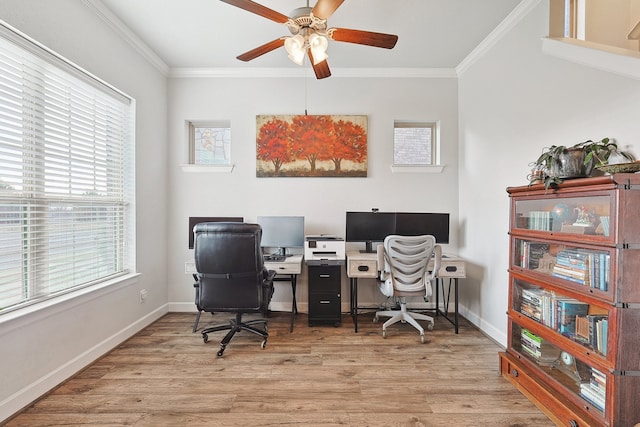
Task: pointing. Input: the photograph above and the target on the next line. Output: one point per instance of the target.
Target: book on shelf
(583, 266)
(532, 253)
(540, 220)
(538, 349)
(568, 310)
(595, 391)
(592, 330)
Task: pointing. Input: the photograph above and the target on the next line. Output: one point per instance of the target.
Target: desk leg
(354, 301)
(456, 303)
(294, 304)
(446, 298)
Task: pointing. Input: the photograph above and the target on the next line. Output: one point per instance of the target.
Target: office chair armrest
(269, 275)
(437, 261)
(383, 274)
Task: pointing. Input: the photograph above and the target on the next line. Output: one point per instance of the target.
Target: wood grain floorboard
(316, 376)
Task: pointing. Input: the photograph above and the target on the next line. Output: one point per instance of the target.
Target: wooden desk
(365, 266)
(287, 271)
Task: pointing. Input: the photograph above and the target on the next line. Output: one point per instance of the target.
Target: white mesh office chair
(403, 262)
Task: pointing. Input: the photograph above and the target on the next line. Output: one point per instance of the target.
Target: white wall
(39, 351)
(323, 201)
(513, 102)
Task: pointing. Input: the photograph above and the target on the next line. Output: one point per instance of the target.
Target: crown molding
(507, 24)
(121, 29)
(254, 72)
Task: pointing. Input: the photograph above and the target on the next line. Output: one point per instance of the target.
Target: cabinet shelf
(574, 305)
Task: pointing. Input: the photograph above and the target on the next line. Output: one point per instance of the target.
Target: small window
(210, 143)
(414, 144)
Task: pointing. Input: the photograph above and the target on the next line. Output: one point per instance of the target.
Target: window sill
(207, 168)
(615, 60)
(38, 312)
(416, 169)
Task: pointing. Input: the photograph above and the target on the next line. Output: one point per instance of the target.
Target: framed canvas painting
(311, 146)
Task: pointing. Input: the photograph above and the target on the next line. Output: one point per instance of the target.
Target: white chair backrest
(406, 259)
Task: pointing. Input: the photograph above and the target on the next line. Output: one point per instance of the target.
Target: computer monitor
(193, 220)
(419, 223)
(282, 232)
(369, 227)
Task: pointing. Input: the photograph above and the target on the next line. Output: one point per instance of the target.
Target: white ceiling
(210, 33)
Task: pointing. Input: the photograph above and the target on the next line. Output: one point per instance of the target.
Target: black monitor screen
(282, 232)
(369, 227)
(193, 220)
(419, 223)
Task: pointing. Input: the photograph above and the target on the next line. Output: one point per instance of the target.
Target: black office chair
(231, 276)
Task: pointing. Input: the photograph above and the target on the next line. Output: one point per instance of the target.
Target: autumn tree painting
(320, 145)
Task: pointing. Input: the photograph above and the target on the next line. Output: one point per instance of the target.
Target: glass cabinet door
(587, 383)
(578, 265)
(581, 322)
(573, 215)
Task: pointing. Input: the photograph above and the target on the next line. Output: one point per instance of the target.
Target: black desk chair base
(237, 325)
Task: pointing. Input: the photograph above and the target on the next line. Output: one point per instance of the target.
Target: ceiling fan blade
(387, 41)
(325, 8)
(258, 9)
(321, 68)
(261, 50)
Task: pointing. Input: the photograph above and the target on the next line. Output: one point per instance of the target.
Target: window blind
(66, 159)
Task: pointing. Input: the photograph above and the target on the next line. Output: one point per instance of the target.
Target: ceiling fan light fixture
(318, 45)
(295, 48)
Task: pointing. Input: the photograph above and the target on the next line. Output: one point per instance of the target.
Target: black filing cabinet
(324, 294)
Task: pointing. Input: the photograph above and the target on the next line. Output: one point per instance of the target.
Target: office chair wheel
(263, 344)
(375, 319)
(220, 352)
(422, 339)
(430, 327)
(384, 333)
(205, 338)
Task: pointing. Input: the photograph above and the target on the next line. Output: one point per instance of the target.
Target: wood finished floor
(316, 376)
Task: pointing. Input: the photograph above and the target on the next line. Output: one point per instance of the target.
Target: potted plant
(559, 162)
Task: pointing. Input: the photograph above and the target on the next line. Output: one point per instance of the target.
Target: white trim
(507, 24)
(254, 72)
(33, 391)
(190, 307)
(416, 169)
(129, 36)
(40, 311)
(207, 168)
(619, 61)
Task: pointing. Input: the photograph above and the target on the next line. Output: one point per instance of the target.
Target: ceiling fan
(310, 35)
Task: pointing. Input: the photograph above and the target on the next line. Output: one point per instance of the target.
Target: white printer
(324, 248)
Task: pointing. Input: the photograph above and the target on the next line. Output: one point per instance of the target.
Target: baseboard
(24, 397)
(189, 307)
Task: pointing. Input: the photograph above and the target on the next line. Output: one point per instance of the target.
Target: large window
(66, 175)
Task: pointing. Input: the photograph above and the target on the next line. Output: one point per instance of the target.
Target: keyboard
(274, 258)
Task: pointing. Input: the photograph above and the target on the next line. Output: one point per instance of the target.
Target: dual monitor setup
(287, 232)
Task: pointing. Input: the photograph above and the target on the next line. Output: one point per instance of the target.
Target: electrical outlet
(190, 267)
(143, 295)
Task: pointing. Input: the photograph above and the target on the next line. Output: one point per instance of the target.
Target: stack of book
(571, 264)
(590, 268)
(537, 348)
(595, 391)
(556, 312)
(535, 304)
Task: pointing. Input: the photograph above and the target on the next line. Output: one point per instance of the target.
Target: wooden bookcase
(574, 299)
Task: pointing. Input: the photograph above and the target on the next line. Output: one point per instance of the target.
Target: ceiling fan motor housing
(302, 18)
